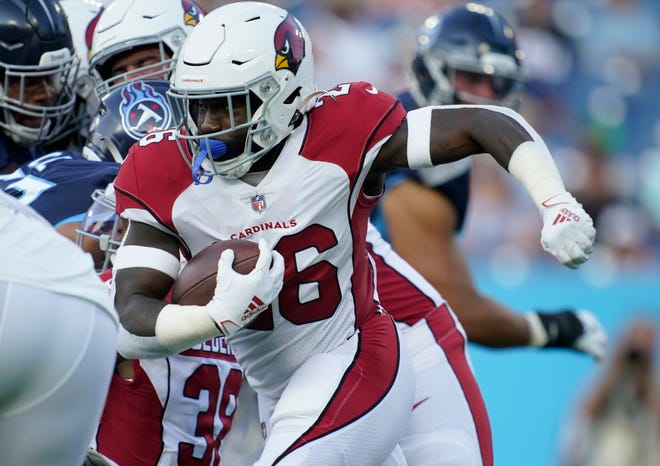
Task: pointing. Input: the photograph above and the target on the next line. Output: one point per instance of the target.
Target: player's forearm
(501, 132)
(486, 321)
(151, 328)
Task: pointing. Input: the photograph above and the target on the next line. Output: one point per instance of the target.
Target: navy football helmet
(37, 66)
(125, 115)
(471, 38)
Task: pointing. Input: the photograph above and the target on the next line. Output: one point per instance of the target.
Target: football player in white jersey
(272, 160)
(57, 342)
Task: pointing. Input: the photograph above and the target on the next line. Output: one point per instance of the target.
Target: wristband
(181, 327)
(554, 329)
(538, 337)
(532, 165)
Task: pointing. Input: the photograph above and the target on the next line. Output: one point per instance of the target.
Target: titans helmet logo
(191, 13)
(143, 110)
(289, 45)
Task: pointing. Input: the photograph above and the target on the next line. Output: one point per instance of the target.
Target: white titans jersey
(33, 253)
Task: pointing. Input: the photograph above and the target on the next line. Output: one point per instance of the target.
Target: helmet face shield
(151, 62)
(235, 117)
(103, 226)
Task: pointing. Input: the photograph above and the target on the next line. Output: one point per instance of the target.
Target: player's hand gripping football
(239, 298)
(568, 231)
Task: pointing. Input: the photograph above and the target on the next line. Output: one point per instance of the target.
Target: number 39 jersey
(175, 410)
(310, 207)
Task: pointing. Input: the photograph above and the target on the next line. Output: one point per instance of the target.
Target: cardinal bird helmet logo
(289, 45)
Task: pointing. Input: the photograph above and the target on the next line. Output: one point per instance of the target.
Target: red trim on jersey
(353, 122)
(152, 177)
(453, 344)
(348, 122)
(399, 296)
(124, 437)
(378, 349)
(106, 275)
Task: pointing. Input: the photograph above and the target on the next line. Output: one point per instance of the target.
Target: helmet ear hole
(255, 101)
(293, 96)
(423, 76)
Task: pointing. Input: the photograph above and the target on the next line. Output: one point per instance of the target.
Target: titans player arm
(417, 215)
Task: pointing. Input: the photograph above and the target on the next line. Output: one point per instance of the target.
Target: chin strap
(218, 150)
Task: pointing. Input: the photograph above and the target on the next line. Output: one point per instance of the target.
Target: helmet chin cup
(211, 149)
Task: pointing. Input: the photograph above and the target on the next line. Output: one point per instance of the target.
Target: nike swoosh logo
(547, 202)
(419, 403)
(373, 90)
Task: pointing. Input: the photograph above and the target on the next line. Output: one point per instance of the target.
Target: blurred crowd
(593, 94)
(616, 421)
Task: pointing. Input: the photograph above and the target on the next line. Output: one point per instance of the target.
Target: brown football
(196, 283)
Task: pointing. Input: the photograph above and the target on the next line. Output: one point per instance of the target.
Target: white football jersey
(310, 207)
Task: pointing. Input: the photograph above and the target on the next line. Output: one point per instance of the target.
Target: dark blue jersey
(450, 180)
(59, 185)
(10, 152)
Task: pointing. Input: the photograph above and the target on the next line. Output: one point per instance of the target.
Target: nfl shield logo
(259, 203)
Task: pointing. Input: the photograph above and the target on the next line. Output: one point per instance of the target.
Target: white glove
(239, 298)
(593, 339)
(568, 231)
(578, 330)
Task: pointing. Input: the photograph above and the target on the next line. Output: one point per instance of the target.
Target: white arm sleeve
(532, 165)
(177, 329)
(132, 346)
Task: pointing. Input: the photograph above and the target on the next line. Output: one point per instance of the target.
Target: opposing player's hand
(576, 329)
(568, 231)
(593, 339)
(239, 298)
